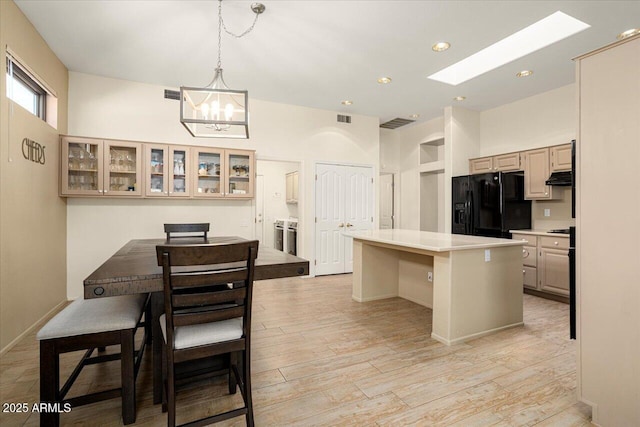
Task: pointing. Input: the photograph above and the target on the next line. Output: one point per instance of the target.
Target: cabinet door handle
(555, 243)
(524, 272)
(340, 225)
(525, 253)
(349, 225)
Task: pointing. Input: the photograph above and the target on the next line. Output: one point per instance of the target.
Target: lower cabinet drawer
(529, 256)
(529, 277)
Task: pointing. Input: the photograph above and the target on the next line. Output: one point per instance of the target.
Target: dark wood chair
(207, 294)
(87, 325)
(186, 231)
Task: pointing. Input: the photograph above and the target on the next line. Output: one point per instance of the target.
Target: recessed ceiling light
(414, 116)
(440, 46)
(459, 98)
(628, 33)
(347, 102)
(524, 73)
(545, 32)
(384, 80)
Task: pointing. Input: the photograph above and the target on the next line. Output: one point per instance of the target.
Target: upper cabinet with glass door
(94, 167)
(209, 180)
(240, 170)
(81, 167)
(123, 172)
(167, 169)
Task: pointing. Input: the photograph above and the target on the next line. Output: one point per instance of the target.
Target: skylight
(543, 33)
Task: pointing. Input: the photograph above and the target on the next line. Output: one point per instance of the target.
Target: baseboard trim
(473, 336)
(37, 324)
(358, 299)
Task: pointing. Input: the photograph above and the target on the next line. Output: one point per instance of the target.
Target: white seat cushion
(207, 333)
(90, 316)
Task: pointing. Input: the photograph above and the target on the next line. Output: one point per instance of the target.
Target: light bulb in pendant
(205, 111)
(228, 112)
(215, 107)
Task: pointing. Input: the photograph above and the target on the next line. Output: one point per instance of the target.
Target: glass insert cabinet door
(167, 171)
(155, 171)
(210, 178)
(82, 173)
(122, 168)
(240, 173)
(180, 164)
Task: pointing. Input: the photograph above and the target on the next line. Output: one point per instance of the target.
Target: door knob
(349, 225)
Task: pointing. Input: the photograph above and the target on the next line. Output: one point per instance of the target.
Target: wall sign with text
(33, 151)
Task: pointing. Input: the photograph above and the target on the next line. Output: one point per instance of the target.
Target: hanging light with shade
(215, 111)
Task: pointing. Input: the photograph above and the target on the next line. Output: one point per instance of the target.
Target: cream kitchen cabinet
(502, 163)
(292, 187)
(553, 265)
(209, 180)
(545, 263)
(167, 170)
(96, 167)
(223, 173)
(240, 172)
(560, 158)
(536, 173)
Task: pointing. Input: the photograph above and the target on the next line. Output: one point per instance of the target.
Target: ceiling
(319, 53)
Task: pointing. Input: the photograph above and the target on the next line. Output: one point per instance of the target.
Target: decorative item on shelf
(241, 170)
(216, 111)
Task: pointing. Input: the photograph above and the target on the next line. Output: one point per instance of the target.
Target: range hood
(560, 179)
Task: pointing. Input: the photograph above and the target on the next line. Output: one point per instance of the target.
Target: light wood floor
(320, 358)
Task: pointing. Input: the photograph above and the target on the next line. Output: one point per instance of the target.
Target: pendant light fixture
(216, 111)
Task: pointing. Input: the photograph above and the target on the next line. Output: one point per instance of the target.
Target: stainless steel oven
(278, 235)
(292, 238)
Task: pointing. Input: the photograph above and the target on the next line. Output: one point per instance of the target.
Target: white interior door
(386, 201)
(259, 220)
(344, 201)
(358, 206)
(329, 219)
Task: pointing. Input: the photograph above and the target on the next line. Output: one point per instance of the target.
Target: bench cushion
(207, 333)
(90, 316)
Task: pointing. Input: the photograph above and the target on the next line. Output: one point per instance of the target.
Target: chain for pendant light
(256, 7)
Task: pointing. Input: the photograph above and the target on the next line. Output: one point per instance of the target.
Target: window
(25, 91)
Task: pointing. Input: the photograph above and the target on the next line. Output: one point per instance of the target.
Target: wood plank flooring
(321, 359)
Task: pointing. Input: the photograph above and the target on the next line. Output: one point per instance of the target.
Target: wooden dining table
(134, 269)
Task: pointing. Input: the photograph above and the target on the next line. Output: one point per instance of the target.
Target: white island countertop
(430, 241)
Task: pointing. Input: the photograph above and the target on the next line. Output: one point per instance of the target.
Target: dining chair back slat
(208, 278)
(186, 318)
(186, 230)
(194, 255)
(207, 298)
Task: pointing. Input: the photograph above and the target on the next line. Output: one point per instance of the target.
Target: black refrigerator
(489, 204)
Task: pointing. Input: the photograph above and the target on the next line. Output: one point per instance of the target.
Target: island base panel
(474, 297)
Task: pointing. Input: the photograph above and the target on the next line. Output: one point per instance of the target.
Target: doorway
(344, 202)
(272, 203)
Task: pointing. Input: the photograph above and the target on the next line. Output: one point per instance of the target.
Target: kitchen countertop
(538, 233)
(430, 241)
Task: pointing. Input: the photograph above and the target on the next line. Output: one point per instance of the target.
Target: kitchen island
(473, 284)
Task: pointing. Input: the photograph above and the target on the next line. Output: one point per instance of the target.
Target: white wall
(111, 108)
(400, 153)
(541, 120)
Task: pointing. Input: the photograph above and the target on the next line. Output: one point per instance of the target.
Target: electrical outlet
(547, 212)
(430, 276)
(487, 255)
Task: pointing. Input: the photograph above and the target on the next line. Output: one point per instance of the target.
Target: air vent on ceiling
(344, 119)
(396, 123)
(172, 94)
